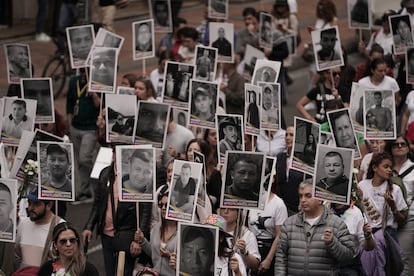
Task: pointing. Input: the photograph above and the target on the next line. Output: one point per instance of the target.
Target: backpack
(397, 179)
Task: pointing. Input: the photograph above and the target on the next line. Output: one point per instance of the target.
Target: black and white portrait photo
(327, 48)
(198, 157)
(333, 174)
(105, 38)
(180, 116)
(143, 39)
(40, 89)
(186, 179)
(242, 179)
(103, 70)
(136, 172)
(307, 136)
(222, 38)
(27, 150)
(401, 30)
(230, 134)
(409, 57)
(203, 104)
(270, 114)
(18, 115)
(8, 200)
(56, 171)
(246, 67)
(356, 106)
(160, 11)
(120, 118)
(252, 104)
(266, 35)
(218, 9)
(19, 63)
(205, 65)
(197, 251)
(151, 123)
(342, 129)
(80, 41)
(266, 71)
(177, 78)
(379, 117)
(359, 14)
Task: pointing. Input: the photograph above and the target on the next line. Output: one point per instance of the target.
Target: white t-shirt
(385, 40)
(374, 196)
(251, 242)
(354, 221)
(263, 223)
(409, 101)
(222, 266)
(31, 239)
(387, 83)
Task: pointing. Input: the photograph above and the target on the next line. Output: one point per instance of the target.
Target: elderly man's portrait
(203, 103)
(242, 179)
(40, 89)
(379, 118)
(410, 65)
(359, 14)
(8, 198)
(183, 190)
(18, 62)
(252, 103)
(143, 38)
(80, 41)
(266, 37)
(270, 108)
(120, 117)
(400, 26)
(56, 170)
(230, 131)
(222, 38)
(137, 172)
(205, 69)
(327, 47)
(218, 9)
(333, 174)
(266, 71)
(151, 123)
(307, 136)
(18, 115)
(197, 250)
(161, 13)
(342, 129)
(103, 70)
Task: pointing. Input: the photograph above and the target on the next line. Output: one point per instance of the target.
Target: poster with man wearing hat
(203, 104)
(56, 175)
(230, 134)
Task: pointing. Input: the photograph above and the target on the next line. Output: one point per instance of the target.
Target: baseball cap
(201, 91)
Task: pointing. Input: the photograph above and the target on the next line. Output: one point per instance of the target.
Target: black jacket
(125, 218)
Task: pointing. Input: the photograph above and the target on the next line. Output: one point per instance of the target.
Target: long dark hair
(376, 160)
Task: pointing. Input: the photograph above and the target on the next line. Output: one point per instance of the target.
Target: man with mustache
(230, 131)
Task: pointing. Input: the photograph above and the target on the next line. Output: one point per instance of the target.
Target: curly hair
(376, 160)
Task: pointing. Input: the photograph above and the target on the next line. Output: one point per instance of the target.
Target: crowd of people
(294, 233)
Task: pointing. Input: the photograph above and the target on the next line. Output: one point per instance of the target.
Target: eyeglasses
(65, 241)
(399, 145)
(161, 205)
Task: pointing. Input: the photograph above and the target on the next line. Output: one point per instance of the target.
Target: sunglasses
(65, 241)
(399, 145)
(161, 205)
